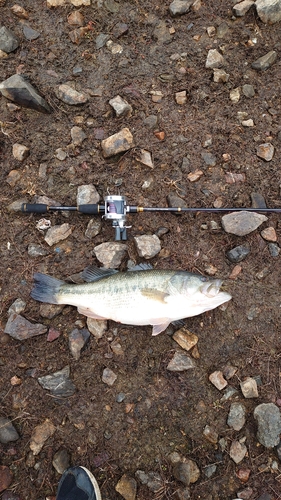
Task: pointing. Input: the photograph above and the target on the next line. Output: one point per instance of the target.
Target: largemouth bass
(143, 297)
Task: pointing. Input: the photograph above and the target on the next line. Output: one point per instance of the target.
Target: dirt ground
(162, 411)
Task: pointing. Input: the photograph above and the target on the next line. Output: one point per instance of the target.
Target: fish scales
(152, 297)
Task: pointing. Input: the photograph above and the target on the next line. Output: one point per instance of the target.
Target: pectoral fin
(160, 327)
(151, 293)
(90, 314)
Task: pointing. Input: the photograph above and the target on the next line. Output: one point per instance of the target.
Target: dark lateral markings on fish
(136, 297)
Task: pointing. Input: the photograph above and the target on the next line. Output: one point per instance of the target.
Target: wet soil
(162, 411)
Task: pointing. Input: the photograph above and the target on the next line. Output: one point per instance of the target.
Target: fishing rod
(115, 208)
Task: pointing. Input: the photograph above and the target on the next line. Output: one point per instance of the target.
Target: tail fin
(45, 288)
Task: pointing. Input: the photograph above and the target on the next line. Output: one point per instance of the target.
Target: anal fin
(160, 327)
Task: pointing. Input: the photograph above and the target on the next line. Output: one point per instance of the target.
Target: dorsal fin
(93, 273)
(143, 266)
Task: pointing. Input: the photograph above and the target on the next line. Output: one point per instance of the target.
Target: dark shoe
(77, 483)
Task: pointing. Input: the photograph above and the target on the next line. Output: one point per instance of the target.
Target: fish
(138, 297)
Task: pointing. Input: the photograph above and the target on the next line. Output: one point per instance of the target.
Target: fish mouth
(211, 289)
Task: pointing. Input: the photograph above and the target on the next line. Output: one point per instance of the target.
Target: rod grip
(92, 209)
(36, 208)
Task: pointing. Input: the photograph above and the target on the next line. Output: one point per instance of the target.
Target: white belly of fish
(137, 309)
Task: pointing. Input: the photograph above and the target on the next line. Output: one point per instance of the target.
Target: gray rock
(269, 424)
(57, 233)
(242, 223)
(151, 121)
(120, 106)
(248, 90)
(274, 249)
(210, 434)
(17, 307)
(147, 245)
(77, 341)
(152, 480)
(265, 151)
(237, 451)
(97, 327)
(269, 11)
(236, 416)
(222, 30)
(112, 6)
(120, 29)
(58, 383)
(241, 8)
(8, 41)
(8, 432)
(183, 494)
(18, 90)
(249, 388)
(108, 376)
(20, 151)
(110, 254)
(21, 329)
(35, 250)
(209, 158)
(117, 143)
(50, 311)
(29, 33)
(265, 61)
(228, 393)
(238, 253)
(220, 76)
(176, 202)
(258, 200)
(87, 194)
(180, 362)
(16, 205)
(214, 59)
(161, 32)
(101, 40)
(179, 7)
(209, 470)
(93, 228)
(77, 135)
(181, 472)
(70, 96)
(61, 460)
(186, 471)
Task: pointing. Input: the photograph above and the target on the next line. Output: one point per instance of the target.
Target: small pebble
(20, 152)
(274, 249)
(210, 434)
(238, 254)
(249, 388)
(265, 151)
(236, 416)
(243, 475)
(218, 380)
(8, 432)
(269, 234)
(108, 376)
(237, 451)
(117, 143)
(180, 362)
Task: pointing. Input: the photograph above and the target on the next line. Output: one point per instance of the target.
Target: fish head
(201, 293)
(212, 292)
